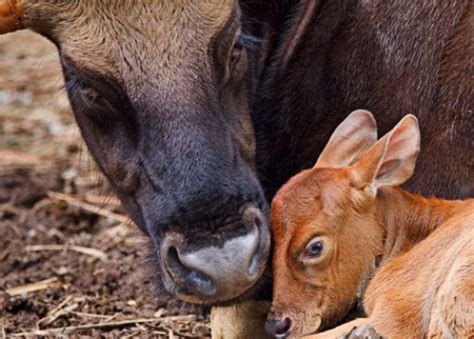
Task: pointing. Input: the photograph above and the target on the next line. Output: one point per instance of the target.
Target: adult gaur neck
(406, 219)
(319, 60)
(290, 101)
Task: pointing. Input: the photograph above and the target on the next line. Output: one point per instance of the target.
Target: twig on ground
(53, 313)
(4, 254)
(102, 200)
(91, 315)
(13, 158)
(186, 317)
(158, 332)
(134, 334)
(73, 329)
(60, 305)
(112, 236)
(61, 312)
(8, 208)
(88, 207)
(33, 287)
(80, 249)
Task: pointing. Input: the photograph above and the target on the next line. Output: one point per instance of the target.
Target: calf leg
(242, 321)
(339, 331)
(452, 314)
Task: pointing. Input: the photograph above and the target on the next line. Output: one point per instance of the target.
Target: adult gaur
(198, 111)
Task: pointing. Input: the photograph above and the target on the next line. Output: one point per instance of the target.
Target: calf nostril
(283, 327)
(279, 328)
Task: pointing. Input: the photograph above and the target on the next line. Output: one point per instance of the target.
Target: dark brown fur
(409, 57)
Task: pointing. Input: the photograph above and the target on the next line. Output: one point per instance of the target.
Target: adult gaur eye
(77, 85)
(236, 52)
(92, 102)
(92, 98)
(236, 55)
(88, 92)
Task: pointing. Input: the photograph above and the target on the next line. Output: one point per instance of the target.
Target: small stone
(69, 174)
(62, 271)
(159, 313)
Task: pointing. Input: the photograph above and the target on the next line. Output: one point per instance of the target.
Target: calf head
(325, 227)
(159, 91)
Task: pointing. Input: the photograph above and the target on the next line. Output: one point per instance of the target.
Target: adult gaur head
(158, 90)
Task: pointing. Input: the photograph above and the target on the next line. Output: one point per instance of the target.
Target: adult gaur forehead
(116, 36)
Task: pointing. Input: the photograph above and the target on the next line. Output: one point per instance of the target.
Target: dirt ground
(70, 261)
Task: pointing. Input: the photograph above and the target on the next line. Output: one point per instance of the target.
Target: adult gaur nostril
(219, 271)
(261, 250)
(278, 327)
(195, 281)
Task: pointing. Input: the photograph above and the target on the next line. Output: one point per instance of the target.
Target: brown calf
(333, 222)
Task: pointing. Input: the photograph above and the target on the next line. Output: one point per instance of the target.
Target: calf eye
(314, 249)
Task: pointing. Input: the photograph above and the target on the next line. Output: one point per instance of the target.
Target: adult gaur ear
(391, 161)
(11, 14)
(350, 139)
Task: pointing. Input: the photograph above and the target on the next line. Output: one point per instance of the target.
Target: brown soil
(61, 229)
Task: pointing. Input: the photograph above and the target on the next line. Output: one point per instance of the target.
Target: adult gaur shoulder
(198, 111)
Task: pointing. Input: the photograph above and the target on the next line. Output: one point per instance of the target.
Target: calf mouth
(282, 323)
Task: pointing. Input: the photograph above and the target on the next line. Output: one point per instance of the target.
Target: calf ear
(350, 139)
(391, 161)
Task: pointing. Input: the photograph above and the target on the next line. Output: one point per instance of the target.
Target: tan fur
(424, 286)
(340, 331)
(241, 321)
(176, 35)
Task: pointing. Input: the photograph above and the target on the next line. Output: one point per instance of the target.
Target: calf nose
(278, 327)
(219, 272)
